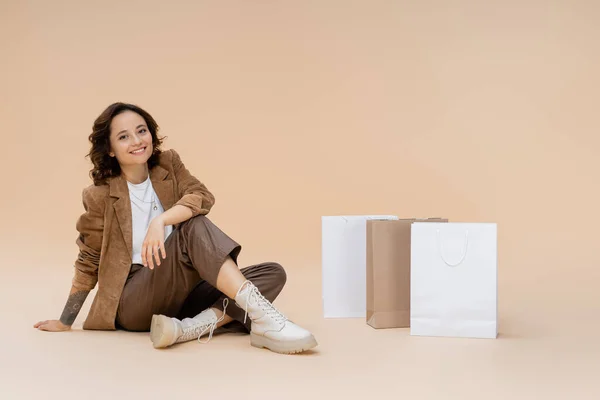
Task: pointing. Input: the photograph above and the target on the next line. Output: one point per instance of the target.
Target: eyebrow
(125, 130)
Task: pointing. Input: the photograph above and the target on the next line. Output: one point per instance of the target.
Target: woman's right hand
(52, 325)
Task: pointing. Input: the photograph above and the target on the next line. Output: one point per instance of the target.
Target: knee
(197, 221)
(279, 275)
(196, 224)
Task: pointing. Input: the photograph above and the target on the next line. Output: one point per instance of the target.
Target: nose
(136, 139)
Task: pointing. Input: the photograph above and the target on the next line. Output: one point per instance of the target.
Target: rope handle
(464, 253)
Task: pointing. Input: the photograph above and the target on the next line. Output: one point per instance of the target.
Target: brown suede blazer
(105, 232)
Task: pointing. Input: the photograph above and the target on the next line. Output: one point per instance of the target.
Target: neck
(135, 173)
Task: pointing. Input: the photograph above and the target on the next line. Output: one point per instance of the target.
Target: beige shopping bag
(388, 272)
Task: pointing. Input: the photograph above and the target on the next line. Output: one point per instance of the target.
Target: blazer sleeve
(90, 226)
(193, 193)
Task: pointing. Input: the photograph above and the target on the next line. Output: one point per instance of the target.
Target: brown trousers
(185, 282)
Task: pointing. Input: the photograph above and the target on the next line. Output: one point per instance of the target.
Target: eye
(122, 137)
(142, 130)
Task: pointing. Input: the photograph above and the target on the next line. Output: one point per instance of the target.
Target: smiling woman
(160, 264)
(123, 136)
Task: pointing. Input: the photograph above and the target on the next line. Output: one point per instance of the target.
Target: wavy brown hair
(106, 166)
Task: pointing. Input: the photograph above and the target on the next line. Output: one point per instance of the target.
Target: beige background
(470, 110)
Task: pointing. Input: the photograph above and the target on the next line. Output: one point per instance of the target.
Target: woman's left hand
(154, 240)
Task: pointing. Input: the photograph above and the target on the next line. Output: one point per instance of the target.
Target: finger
(153, 256)
(156, 254)
(163, 251)
(149, 257)
(143, 252)
(40, 323)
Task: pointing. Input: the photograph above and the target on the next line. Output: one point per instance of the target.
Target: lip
(137, 154)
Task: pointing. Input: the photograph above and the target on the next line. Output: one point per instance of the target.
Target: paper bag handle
(464, 253)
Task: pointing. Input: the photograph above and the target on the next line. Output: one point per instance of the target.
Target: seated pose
(160, 264)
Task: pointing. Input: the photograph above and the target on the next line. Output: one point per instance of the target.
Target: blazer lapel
(122, 206)
(162, 186)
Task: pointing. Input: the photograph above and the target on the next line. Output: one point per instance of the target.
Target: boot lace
(196, 331)
(265, 305)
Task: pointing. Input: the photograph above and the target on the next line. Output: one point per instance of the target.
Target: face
(130, 139)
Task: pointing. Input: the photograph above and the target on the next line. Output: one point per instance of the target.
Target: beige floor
(472, 110)
(548, 349)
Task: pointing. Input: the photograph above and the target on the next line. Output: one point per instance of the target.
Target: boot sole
(161, 331)
(291, 347)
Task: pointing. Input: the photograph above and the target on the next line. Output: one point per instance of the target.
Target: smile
(140, 151)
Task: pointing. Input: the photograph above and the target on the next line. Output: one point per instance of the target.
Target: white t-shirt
(145, 206)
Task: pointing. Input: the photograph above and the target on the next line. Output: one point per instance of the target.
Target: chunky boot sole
(283, 347)
(162, 331)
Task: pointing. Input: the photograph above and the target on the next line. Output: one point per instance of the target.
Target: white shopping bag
(344, 264)
(454, 280)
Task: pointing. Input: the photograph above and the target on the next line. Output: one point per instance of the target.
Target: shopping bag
(454, 280)
(388, 272)
(343, 259)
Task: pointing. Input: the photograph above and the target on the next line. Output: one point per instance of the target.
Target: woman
(160, 264)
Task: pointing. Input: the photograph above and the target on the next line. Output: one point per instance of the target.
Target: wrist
(65, 325)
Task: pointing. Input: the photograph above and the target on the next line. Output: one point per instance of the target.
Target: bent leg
(268, 277)
(196, 250)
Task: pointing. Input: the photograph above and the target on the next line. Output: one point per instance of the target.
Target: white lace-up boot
(270, 328)
(166, 331)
